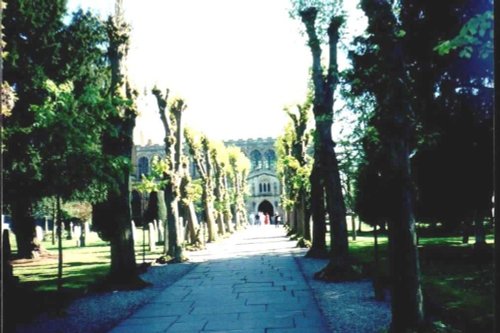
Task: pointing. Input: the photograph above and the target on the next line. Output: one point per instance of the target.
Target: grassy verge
(457, 282)
(84, 268)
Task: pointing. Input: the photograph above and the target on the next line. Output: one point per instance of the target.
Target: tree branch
(308, 17)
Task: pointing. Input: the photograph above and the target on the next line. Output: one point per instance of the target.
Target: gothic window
(256, 159)
(275, 188)
(260, 188)
(143, 166)
(270, 159)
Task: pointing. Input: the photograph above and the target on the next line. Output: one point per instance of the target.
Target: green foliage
(81, 210)
(31, 32)
(155, 180)
(325, 11)
(294, 166)
(476, 36)
(71, 152)
(60, 77)
(44, 207)
(238, 160)
(8, 99)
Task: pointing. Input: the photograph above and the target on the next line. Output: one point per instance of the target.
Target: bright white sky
(236, 63)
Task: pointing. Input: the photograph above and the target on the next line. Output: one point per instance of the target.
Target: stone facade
(263, 183)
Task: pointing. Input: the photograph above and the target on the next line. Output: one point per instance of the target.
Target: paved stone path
(248, 283)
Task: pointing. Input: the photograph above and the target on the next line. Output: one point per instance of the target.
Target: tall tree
(113, 216)
(187, 198)
(31, 33)
(453, 102)
(240, 165)
(200, 152)
(294, 167)
(71, 154)
(171, 174)
(394, 124)
(283, 148)
(325, 172)
(220, 160)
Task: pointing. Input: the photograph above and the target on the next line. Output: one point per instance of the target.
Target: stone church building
(264, 186)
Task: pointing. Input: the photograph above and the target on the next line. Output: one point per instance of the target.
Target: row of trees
(221, 180)
(68, 136)
(421, 148)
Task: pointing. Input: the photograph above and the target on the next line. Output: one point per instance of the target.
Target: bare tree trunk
(238, 190)
(307, 216)
(479, 231)
(377, 278)
(193, 225)
(353, 224)
(227, 207)
(220, 224)
(23, 227)
(299, 217)
(209, 215)
(123, 264)
(219, 194)
(59, 247)
(407, 299)
(339, 267)
(395, 128)
(466, 231)
(236, 215)
(318, 248)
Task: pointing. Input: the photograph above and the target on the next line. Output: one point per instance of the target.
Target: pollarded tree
(283, 148)
(188, 195)
(302, 170)
(294, 168)
(240, 166)
(200, 152)
(220, 160)
(172, 124)
(113, 216)
(325, 176)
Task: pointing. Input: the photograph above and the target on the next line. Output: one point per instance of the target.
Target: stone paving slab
(247, 283)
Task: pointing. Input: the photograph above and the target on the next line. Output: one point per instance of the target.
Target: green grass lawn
(458, 286)
(82, 266)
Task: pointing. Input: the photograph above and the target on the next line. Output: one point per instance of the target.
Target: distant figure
(266, 220)
(277, 219)
(257, 219)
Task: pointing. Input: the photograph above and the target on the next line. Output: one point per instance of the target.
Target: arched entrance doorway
(266, 207)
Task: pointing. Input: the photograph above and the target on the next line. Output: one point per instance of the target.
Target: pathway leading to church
(248, 283)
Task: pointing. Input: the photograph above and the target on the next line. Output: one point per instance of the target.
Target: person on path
(266, 220)
(277, 220)
(257, 220)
